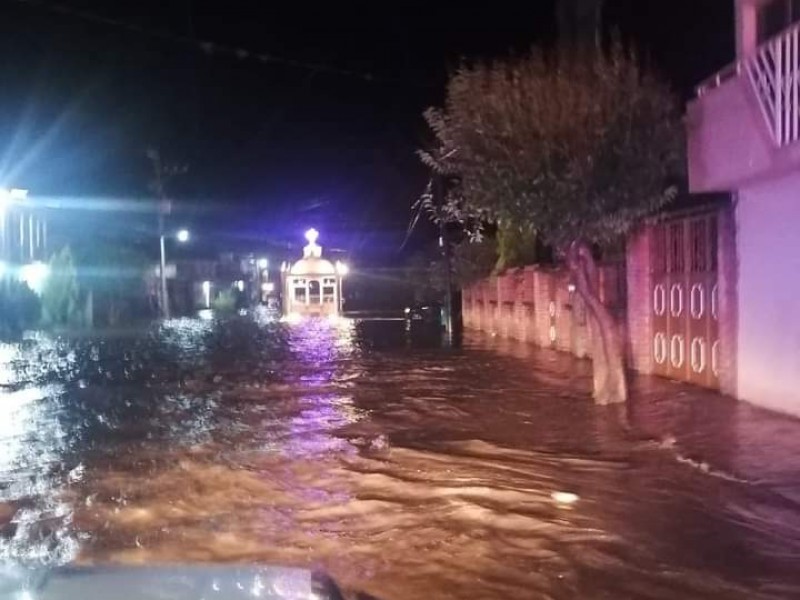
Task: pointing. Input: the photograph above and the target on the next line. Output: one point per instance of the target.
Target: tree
(579, 145)
(19, 307)
(471, 261)
(60, 301)
(114, 274)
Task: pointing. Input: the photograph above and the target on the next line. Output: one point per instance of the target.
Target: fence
(540, 305)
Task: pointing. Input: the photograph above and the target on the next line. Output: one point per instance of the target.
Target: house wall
(728, 141)
(767, 217)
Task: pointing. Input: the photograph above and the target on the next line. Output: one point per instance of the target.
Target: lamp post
(182, 235)
(342, 270)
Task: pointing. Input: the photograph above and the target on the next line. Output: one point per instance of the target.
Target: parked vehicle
(428, 315)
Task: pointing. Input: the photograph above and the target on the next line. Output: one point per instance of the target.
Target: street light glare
(342, 268)
(183, 235)
(13, 195)
(263, 263)
(312, 235)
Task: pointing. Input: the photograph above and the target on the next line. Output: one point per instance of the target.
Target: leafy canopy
(575, 146)
(60, 294)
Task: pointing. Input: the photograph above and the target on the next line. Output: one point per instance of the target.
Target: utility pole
(580, 22)
(444, 243)
(163, 269)
(164, 207)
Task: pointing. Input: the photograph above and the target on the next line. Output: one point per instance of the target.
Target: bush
(225, 302)
(60, 298)
(19, 307)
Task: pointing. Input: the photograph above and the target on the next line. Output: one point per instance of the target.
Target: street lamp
(263, 263)
(8, 197)
(182, 236)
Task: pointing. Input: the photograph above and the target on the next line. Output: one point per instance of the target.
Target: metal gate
(685, 299)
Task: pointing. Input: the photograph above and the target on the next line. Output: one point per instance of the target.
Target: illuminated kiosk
(313, 285)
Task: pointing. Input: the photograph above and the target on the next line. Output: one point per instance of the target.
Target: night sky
(321, 133)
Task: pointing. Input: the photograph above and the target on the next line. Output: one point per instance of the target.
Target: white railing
(774, 72)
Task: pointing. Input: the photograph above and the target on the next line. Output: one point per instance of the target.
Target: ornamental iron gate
(685, 299)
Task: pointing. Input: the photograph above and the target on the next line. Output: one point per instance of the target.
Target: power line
(213, 48)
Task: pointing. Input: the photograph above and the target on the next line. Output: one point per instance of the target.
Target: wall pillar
(640, 282)
(728, 312)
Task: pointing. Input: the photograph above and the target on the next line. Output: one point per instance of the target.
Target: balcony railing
(774, 72)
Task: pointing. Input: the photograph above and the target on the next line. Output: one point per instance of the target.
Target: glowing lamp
(34, 275)
(13, 195)
(263, 263)
(183, 236)
(312, 235)
(342, 268)
(240, 285)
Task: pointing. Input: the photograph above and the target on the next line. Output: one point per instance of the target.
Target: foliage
(575, 145)
(19, 307)
(225, 302)
(114, 274)
(470, 261)
(516, 247)
(60, 301)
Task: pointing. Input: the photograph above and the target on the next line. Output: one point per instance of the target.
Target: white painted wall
(768, 240)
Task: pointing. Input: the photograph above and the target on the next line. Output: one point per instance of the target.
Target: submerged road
(404, 469)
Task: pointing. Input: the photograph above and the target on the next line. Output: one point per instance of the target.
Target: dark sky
(275, 146)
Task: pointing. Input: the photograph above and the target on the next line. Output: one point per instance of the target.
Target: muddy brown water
(404, 469)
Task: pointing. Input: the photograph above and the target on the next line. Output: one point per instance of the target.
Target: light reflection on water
(405, 469)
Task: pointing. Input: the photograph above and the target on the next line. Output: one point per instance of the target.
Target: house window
(328, 294)
(299, 294)
(313, 290)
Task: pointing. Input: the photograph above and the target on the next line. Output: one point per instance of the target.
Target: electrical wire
(213, 48)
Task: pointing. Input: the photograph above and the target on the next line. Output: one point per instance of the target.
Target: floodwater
(404, 469)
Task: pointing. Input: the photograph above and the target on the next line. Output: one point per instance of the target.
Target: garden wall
(539, 305)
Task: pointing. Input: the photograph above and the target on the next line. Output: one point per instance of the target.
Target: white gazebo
(313, 285)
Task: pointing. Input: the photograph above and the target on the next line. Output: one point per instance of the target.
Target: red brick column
(541, 306)
(639, 321)
(728, 312)
(563, 311)
(527, 296)
(480, 323)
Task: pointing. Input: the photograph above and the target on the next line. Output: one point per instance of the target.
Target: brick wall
(536, 305)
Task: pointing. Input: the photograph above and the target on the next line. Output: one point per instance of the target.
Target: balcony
(744, 124)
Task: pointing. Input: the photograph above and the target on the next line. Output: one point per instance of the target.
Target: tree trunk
(610, 386)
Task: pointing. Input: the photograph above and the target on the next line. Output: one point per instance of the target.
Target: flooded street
(404, 469)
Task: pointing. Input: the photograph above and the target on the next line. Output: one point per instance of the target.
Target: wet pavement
(404, 469)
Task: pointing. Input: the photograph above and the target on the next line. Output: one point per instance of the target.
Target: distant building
(195, 284)
(313, 285)
(23, 238)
